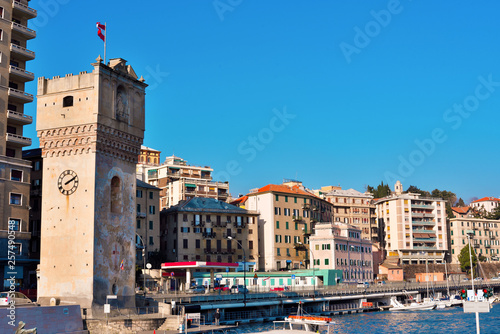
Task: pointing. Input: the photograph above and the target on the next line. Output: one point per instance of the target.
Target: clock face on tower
(68, 182)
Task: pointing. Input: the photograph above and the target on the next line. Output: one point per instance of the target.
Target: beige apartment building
(484, 235)
(288, 214)
(177, 180)
(413, 227)
(14, 171)
(354, 208)
(206, 229)
(341, 246)
(148, 220)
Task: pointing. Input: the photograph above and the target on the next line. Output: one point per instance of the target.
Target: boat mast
(446, 273)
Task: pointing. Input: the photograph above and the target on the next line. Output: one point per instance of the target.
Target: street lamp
(300, 246)
(244, 268)
(143, 263)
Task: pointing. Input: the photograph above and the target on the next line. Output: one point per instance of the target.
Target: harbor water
(449, 321)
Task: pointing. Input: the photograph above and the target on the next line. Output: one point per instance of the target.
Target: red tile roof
(239, 200)
(284, 189)
(461, 210)
(484, 199)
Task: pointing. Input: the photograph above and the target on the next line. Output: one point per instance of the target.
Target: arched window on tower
(116, 195)
(68, 101)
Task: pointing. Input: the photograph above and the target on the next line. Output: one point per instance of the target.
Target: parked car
(278, 288)
(381, 283)
(222, 288)
(198, 289)
(495, 278)
(18, 298)
(478, 279)
(239, 289)
(363, 285)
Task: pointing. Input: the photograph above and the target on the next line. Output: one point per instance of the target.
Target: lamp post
(244, 268)
(301, 246)
(143, 263)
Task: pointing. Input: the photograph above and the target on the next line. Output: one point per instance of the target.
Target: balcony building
(205, 229)
(288, 214)
(341, 246)
(14, 170)
(413, 228)
(354, 208)
(178, 180)
(485, 235)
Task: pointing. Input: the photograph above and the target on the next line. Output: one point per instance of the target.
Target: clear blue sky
(327, 92)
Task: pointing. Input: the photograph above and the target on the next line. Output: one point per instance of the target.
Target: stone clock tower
(90, 127)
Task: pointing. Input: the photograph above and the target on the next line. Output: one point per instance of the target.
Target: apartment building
(148, 219)
(484, 235)
(14, 171)
(341, 246)
(413, 228)
(206, 229)
(288, 213)
(485, 204)
(178, 180)
(354, 208)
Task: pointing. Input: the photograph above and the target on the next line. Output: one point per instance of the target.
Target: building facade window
(15, 199)
(16, 175)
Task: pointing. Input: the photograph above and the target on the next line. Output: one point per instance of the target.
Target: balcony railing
(28, 11)
(487, 246)
(25, 31)
(486, 227)
(19, 117)
(141, 215)
(306, 206)
(21, 74)
(20, 95)
(21, 52)
(422, 206)
(476, 245)
(209, 235)
(297, 218)
(227, 235)
(18, 140)
(422, 222)
(197, 223)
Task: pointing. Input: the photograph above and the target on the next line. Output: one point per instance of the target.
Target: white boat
(301, 323)
(412, 306)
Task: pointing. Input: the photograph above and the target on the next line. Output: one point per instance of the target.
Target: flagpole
(105, 40)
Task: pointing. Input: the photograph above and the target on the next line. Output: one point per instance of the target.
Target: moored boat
(412, 306)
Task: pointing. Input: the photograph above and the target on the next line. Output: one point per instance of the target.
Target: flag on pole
(100, 28)
(122, 267)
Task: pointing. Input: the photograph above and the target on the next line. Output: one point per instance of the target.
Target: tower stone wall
(91, 129)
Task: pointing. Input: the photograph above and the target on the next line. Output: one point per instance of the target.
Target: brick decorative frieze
(89, 138)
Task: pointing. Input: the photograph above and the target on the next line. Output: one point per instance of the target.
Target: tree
(495, 214)
(416, 190)
(460, 202)
(382, 190)
(464, 259)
